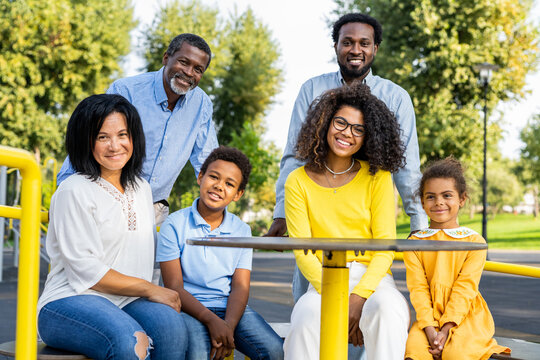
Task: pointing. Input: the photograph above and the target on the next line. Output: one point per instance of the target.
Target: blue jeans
(94, 326)
(299, 288)
(252, 336)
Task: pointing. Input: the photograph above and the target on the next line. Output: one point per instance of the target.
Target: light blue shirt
(207, 270)
(398, 101)
(172, 137)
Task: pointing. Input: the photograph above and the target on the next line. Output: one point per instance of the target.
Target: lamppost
(485, 70)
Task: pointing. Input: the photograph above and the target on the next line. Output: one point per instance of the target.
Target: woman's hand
(165, 296)
(117, 283)
(356, 304)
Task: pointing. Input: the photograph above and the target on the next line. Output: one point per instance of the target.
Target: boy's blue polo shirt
(207, 270)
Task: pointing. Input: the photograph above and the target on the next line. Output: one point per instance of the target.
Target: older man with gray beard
(176, 116)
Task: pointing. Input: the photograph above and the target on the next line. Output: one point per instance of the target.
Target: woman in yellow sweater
(350, 142)
(452, 319)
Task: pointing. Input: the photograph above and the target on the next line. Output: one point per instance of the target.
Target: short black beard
(354, 74)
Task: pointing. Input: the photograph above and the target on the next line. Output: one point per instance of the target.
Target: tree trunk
(37, 155)
(494, 210)
(536, 205)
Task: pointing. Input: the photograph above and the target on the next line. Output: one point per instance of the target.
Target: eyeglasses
(340, 124)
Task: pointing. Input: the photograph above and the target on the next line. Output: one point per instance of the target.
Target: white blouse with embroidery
(94, 228)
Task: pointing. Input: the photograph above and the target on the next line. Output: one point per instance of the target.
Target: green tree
(528, 169)
(242, 79)
(430, 48)
(52, 55)
(504, 187)
(264, 160)
(249, 78)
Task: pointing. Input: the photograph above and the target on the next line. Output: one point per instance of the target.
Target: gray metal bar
(329, 244)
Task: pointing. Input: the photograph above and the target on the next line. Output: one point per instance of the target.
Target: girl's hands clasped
(437, 339)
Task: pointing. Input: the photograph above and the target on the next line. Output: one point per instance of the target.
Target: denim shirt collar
(224, 228)
(159, 90)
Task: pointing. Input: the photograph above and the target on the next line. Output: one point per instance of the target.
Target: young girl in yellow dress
(452, 319)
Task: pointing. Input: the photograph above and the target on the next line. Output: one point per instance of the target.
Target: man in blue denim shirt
(356, 41)
(176, 116)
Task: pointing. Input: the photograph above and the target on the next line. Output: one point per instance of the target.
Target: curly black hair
(448, 168)
(233, 155)
(382, 148)
(361, 18)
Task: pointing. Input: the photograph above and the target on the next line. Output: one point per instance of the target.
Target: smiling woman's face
(342, 143)
(113, 146)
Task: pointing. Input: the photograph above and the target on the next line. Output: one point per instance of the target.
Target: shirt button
(160, 158)
(165, 137)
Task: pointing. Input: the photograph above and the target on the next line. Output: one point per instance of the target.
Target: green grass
(505, 231)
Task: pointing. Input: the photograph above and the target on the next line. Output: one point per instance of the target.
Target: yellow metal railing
(505, 268)
(28, 279)
(16, 212)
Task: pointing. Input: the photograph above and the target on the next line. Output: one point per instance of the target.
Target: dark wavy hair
(382, 147)
(233, 155)
(191, 39)
(448, 168)
(360, 18)
(83, 128)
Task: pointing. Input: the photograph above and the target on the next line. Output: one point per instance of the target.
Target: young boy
(213, 282)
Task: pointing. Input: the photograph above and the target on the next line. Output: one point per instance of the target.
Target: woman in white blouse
(99, 299)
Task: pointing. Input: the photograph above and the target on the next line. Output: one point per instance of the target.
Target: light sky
(300, 29)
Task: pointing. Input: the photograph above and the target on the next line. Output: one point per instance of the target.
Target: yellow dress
(443, 288)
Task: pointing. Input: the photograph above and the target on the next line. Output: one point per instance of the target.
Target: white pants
(384, 321)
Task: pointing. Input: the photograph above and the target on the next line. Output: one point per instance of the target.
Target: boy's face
(219, 185)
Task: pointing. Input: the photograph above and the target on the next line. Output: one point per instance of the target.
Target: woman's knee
(307, 310)
(140, 345)
(124, 345)
(387, 301)
(90, 325)
(387, 306)
(163, 324)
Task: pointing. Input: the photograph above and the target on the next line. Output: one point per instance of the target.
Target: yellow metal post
(334, 306)
(28, 279)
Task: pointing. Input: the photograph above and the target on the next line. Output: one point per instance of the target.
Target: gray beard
(177, 90)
